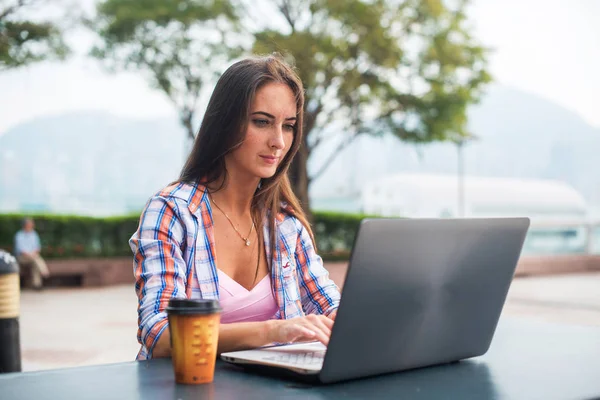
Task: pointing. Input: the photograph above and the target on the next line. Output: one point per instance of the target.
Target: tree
(405, 67)
(23, 41)
(177, 45)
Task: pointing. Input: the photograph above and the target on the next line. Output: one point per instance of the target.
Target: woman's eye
(261, 122)
(290, 128)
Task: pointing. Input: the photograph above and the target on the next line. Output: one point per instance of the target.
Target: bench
(86, 272)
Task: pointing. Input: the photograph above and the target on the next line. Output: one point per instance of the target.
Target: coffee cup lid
(193, 306)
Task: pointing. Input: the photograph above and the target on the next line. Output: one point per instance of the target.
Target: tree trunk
(298, 172)
(299, 178)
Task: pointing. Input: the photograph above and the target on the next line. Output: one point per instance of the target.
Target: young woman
(231, 228)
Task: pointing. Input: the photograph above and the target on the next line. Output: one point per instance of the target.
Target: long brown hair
(223, 130)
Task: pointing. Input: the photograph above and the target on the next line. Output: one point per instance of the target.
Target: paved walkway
(76, 327)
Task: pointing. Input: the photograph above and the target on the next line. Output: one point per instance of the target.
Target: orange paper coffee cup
(194, 329)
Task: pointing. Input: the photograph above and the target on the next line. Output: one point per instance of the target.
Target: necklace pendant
(247, 242)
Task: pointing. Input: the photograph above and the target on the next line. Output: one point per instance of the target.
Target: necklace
(245, 239)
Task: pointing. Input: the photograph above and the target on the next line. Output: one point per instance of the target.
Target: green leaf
(176, 45)
(24, 42)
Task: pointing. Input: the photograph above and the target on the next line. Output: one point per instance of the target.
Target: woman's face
(269, 135)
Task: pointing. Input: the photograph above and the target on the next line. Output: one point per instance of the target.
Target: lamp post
(460, 171)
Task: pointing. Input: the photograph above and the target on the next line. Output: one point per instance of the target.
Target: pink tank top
(242, 305)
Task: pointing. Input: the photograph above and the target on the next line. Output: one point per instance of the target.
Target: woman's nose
(277, 138)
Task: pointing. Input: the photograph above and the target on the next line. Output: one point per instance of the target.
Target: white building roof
(428, 194)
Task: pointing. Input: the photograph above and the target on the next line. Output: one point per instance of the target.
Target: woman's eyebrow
(272, 116)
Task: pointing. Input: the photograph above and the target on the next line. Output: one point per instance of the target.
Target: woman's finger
(294, 331)
(311, 327)
(320, 323)
(325, 327)
(321, 330)
(328, 321)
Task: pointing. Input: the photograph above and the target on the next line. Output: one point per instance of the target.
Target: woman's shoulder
(190, 194)
(180, 190)
(287, 220)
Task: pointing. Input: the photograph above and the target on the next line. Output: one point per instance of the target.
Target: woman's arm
(250, 335)
(232, 337)
(320, 295)
(159, 269)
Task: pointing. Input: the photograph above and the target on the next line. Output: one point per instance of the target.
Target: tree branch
(332, 156)
(284, 7)
(11, 9)
(311, 119)
(320, 139)
(316, 143)
(248, 25)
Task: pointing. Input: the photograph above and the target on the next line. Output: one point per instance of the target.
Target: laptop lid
(420, 292)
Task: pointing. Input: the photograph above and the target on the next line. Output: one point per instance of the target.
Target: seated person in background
(231, 228)
(27, 251)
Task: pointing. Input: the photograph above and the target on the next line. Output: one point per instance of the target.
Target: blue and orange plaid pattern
(174, 256)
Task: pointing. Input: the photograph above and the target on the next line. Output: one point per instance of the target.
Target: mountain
(87, 162)
(98, 163)
(517, 135)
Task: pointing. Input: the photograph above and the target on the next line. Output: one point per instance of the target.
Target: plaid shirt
(174, 256)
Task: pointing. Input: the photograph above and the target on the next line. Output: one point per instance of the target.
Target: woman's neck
(235, 197)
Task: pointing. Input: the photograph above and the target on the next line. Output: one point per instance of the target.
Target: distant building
(557, 211)
(426, 195)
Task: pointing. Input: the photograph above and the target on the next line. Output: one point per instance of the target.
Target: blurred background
(415, 108)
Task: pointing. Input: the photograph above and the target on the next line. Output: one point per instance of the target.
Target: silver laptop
(418, 292)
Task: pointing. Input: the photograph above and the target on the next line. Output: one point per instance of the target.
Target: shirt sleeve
(159, 268)
(18, 244)
(319, 294)
(36, 242)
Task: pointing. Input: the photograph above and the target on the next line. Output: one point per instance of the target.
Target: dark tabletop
(527, 360)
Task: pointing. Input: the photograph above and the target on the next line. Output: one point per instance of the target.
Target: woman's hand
(301, 329)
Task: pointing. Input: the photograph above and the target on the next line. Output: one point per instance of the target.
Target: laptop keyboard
(304, 358)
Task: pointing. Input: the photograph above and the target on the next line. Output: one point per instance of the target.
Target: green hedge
(67, 236)
(334, 233)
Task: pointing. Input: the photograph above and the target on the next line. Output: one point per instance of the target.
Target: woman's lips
(270, 159)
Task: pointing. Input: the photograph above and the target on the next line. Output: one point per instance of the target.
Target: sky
(546, 47)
